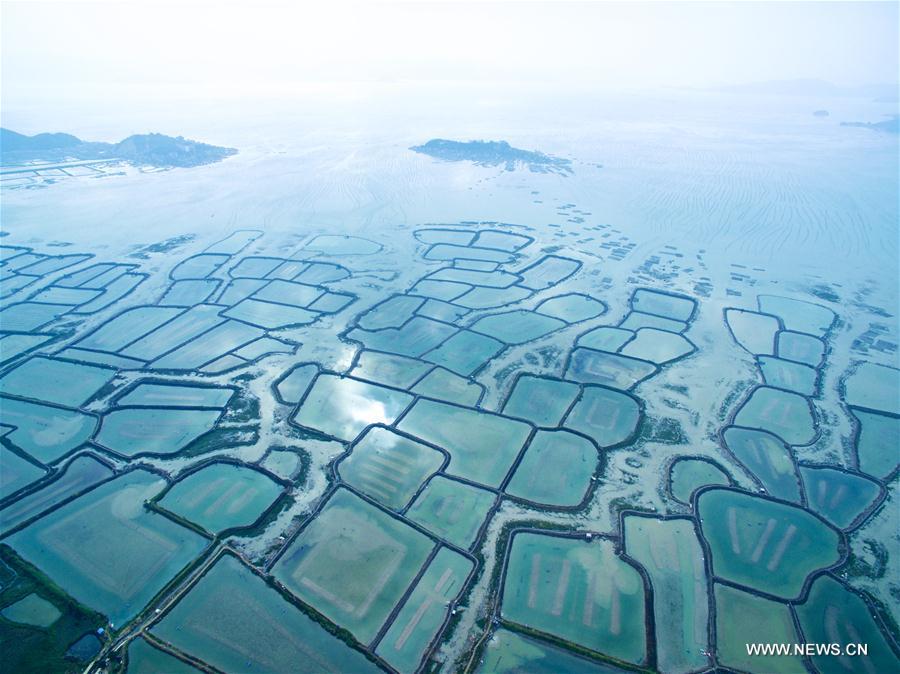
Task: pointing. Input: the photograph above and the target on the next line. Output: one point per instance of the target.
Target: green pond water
(389, 369)
(80, 474)
(607, 416)
(763, 544)
(233, 620)
(482, 446)
(512, 653)
(353, 563)
(687, 476)
(798, 315)
(833, 614)
(55, 381)
(140, 430)
(451, 510)
(556, 469)
(753, 331)
(767, 458)
(879, 437)
(16, 472)
(106, 550)
(424, 611)
(449, 386)
(671, 554)
(168, 395)
(838, 496)
(786, 374)
(389, 467)
(46, 433)
(743, 618)
(577, 590)
(342, 407)
(32, 610)
(596, 367)
(544, 402)
(145, 659)
(221, 496)
(572, 308)
(787, 415)
(296, 383)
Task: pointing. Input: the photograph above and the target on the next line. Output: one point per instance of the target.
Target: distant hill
(10, 141)
(493, 153)
(153, 149)
(809, 87)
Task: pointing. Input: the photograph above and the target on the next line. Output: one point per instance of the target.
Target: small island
(494, 153)
(151, 149)
(891, 125)
(820, 113)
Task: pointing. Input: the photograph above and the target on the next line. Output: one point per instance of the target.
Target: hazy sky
(108, 48)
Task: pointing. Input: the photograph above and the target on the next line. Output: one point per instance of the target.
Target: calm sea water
(754, 181)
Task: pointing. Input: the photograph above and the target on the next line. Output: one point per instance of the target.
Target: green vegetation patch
(31, 648)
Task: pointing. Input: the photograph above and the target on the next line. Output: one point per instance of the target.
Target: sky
(229, 48)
